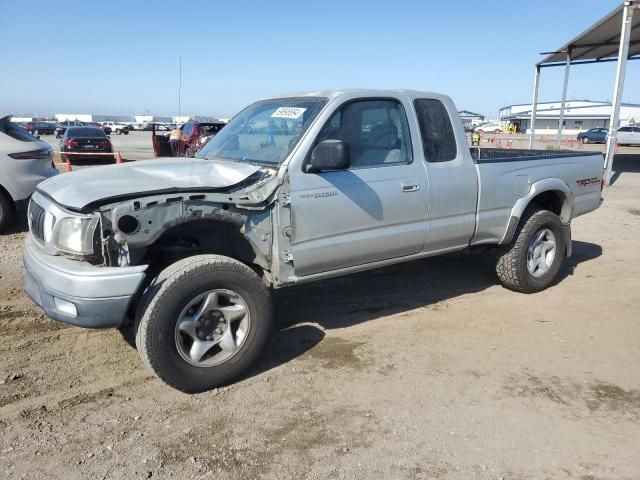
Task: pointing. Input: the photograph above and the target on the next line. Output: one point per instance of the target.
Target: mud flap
(566, 228)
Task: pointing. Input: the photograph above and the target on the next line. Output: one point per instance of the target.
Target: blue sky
(118, 57)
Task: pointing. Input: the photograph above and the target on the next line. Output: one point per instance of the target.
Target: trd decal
(588, 181)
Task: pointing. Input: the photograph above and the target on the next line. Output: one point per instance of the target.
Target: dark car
(86, 140)
(595, 135)
(61, 128)
(40, 128)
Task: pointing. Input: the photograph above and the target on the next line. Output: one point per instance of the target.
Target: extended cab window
(438, 138)
(375, 130)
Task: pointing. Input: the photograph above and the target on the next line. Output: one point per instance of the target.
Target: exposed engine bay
(158, 229)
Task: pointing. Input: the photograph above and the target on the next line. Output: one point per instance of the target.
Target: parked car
(193, 245)
(593, 135)
(62, 126)
(24, 162)
(106, 130)
(196, 134)
(151, 126)
(489, 128)
(118, 127)
(628, 135)
(40, 128)
(85, 140)
(138, 126)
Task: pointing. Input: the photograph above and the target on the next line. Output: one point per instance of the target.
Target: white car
(25, 161)
(489, 128)
(117, 127)
(628, 136)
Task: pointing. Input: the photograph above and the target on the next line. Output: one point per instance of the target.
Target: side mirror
(329, 155)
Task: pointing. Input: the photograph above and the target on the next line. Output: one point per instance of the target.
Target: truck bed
(506, 176)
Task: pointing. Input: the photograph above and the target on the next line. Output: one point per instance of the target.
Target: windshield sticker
(288, 112)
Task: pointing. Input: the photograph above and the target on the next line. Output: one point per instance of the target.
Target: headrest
(383, 136)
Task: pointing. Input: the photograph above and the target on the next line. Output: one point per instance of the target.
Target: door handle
(408, 186)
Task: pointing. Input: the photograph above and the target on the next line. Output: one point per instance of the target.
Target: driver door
(376, 209)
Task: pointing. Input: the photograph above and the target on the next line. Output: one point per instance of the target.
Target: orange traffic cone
(118, 157)
(67, 166)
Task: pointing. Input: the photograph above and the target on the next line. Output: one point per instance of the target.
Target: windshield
(265, 132)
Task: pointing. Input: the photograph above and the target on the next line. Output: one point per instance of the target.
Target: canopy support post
(534, 106)
(623, 53)
(564, 98)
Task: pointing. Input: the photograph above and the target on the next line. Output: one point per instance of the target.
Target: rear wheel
(202, 322)
(6, 211)
(188, 152)
(533, 259)
(118, 131)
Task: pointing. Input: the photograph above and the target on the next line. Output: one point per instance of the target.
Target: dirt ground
(424, 370)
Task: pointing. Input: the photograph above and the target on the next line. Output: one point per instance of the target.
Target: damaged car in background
(292, 190)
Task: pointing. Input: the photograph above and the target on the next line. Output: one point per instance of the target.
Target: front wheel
(6, 211)
(533, 259)
(585, 140)
(202, 322)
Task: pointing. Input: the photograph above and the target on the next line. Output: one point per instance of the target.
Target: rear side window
(625, 129)
(438, 138)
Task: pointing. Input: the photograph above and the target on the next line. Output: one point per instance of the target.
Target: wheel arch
(211, 236)
(551, 194)
(5, 193)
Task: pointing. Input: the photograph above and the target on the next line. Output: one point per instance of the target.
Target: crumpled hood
(78, 189)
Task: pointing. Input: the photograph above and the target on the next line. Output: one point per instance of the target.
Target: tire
(126, 132)
(188, 152)
(512, 262)
(165, 304)
(585, 140)
(6, 211)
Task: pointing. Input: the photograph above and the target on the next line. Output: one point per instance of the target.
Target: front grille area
(36, 220)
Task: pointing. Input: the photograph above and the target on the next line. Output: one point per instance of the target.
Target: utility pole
(179, 88)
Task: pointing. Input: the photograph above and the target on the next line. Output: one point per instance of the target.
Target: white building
(470, 118)
(82, 117)
(579, 115)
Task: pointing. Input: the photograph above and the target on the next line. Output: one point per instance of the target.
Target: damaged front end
(161, 228)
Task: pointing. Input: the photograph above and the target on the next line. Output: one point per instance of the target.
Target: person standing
(174, 141)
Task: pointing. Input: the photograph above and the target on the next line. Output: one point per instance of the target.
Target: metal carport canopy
(615, 37)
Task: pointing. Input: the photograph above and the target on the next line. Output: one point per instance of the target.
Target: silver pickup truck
(294, 189)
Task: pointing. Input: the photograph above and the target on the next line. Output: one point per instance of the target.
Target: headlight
(75, 235)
